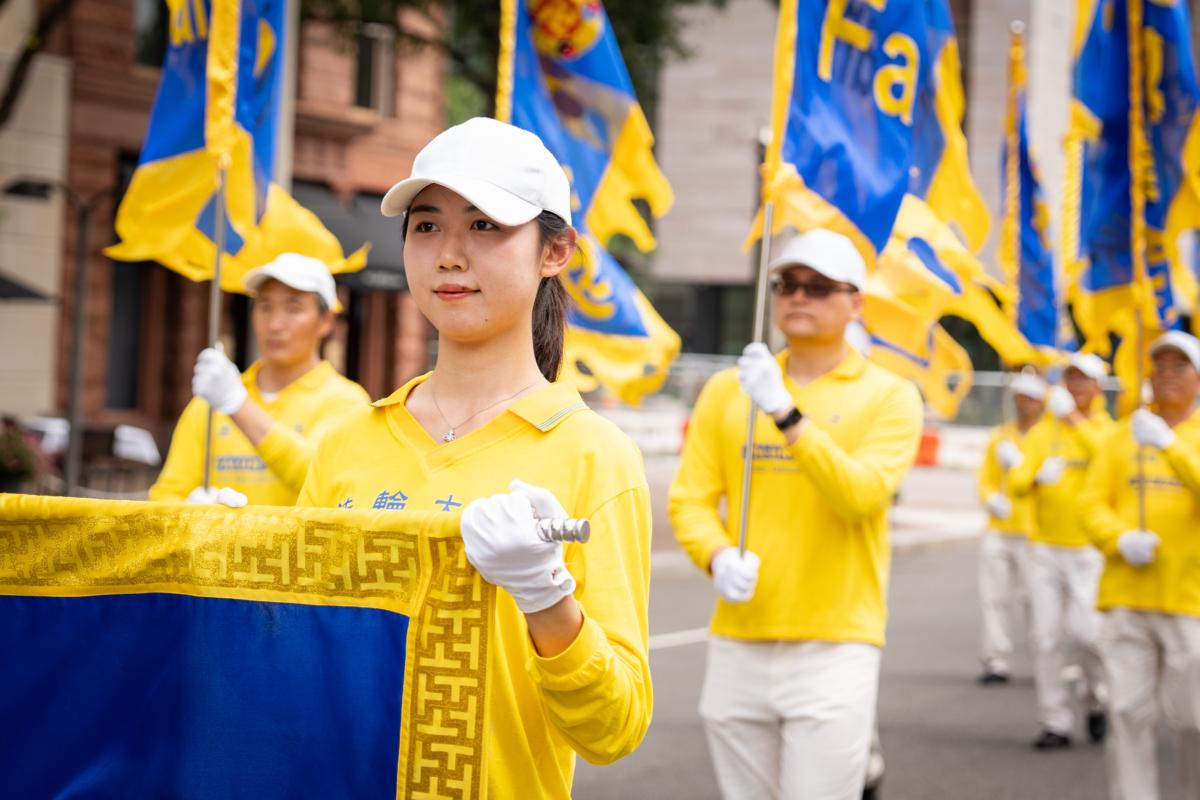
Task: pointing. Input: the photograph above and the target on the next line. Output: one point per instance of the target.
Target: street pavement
(943, 736)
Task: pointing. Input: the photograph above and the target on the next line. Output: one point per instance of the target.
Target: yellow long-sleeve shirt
(992, 480)
(1057, 513)
(1171, 583)
(818, 507)
(595, 698)
(272, 473)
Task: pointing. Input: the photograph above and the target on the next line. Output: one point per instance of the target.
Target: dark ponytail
(550, 306)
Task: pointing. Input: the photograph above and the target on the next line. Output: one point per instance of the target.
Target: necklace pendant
(449, 436)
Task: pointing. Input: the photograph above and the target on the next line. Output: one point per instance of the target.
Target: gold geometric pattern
(450, 652)
(409, 562)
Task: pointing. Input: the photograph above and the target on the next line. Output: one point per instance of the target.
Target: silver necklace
(449, 435)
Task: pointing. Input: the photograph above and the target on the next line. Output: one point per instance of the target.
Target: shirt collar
(543, 409)
(851, 367)
(309, 381)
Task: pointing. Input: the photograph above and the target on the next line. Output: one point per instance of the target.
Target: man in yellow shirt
(1150, 589)
(1064, 569)
(793, 666)
(268, 419)
(1004, 549)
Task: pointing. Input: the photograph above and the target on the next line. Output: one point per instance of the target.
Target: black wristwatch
(793, 417)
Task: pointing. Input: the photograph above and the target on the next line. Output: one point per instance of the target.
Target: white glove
(1060, 403)
(999, 506)
(1009, 455)
(1051, 471)
(762, 379)
(218, 381)
(1137, 547)
(502, 543)
(223, 496)
(735, 576)
(1151, 430)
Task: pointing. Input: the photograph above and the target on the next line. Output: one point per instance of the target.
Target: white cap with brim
(302, 273)
(504, 171)
(1089, 364)
(1185, 343)
(1028, 385)
(831, 254)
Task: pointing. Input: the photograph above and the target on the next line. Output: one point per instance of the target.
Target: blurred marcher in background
(1150, 589)
(1004, 549)
(269, 418)
(1064, 568)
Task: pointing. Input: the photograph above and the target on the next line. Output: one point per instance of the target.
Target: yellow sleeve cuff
(577, 666)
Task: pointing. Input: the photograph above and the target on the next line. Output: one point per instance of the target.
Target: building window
(375, 72)
(123, 376)
(150, 32)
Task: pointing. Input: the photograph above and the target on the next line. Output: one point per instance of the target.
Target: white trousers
(1003, 599)
(1063, 582)
(790, 720)
(1150, 659)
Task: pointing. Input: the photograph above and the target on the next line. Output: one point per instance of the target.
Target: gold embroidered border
(446, 697)
(260, 551)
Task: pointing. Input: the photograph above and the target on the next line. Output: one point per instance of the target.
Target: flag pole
(1011, 224)
(759, 334)
(214, 307)
(1137, 202)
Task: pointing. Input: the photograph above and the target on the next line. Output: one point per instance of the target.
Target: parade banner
(943, 220)
(845, 99)
(1107, 110)
(940, 175)
(161, 650)
(901, 192)
(218, 108)
(1024, 253)
(562, 76)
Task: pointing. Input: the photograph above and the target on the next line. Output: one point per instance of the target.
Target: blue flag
(1098, 217)
(1024, 253)
(166, 650)
(848, 78)
(218, 108)
(562, 77)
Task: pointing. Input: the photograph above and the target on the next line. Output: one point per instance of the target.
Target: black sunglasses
(813, 290)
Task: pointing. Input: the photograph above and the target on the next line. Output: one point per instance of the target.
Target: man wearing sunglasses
(793, 666)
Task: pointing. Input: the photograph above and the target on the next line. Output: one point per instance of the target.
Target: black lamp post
(83, 206)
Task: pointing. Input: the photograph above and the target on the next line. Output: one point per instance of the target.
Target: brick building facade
(361, 112)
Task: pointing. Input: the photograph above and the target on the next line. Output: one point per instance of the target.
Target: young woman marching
(486, 221)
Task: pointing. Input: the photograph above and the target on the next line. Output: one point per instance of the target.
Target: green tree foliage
(650, 33)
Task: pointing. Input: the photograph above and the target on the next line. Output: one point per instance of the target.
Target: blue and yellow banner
(940, 175)
(1024, 253)
(848, 77)
(218, 108)
(867, 140)
(159, 650)
(943, 219)
(1108, 110)
(561, 76)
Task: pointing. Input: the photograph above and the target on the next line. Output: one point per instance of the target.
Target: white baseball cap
(1089, 364)
(831, 254)
(1028, 385)
(302, 273)
(504, 171)
(1178, 340)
